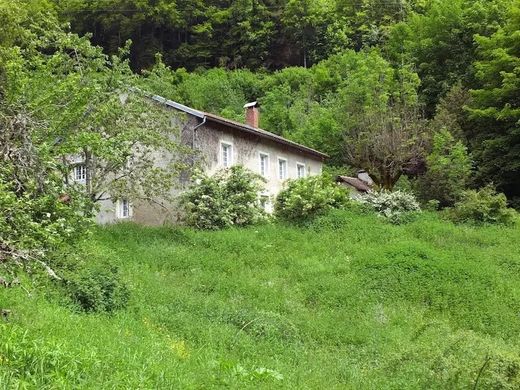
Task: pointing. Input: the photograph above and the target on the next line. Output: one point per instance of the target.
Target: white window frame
(265, 202)
(121, 209)
(266, 155)
(82, 178)
(285, 176)
(224, 144)
(298, 165)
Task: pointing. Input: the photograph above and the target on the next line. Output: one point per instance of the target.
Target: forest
(340, 76)
(329, 72)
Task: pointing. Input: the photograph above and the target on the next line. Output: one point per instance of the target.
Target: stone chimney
(252, 114)
(365, 177)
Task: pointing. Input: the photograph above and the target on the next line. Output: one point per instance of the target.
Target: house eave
(266, 135)
(178, 106)
(240, 126)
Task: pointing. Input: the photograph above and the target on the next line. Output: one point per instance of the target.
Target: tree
(370, 20)
(315, 29)
(15, 16)
(376, 106)
(188, 33)
(448, 169)
(96, 118)
(439, 41)
(495, 108)
(387, 142)
(39, 214)
(451, 113)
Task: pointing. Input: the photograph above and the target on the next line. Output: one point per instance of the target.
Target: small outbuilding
(359, 185)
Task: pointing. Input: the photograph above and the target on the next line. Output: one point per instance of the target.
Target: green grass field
(348, 302)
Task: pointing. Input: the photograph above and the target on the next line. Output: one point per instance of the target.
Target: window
(300, 169)
(125, 209)
(80, 173)
(264, 164)
(226, 154)
(264, 200)
(282, 168)
(265, 203)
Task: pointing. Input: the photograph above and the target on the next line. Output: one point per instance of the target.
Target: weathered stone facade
(207, 134)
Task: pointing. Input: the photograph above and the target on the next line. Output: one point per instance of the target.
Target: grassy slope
(350, 303)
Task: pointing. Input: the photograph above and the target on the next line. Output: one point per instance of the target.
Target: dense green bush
(448, 171)
(484, 206)
(228, 198)
(306, 198)
(97, 288)
(397, 207)
(337, 220)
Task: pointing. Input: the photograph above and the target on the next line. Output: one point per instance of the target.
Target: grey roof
(239, 126)
(178, 106)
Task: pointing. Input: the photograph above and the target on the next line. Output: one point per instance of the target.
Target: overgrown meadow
(349, 301)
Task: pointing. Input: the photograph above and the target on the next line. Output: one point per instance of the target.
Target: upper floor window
(80, 173)
(282, 168)
(226, 151)
(300, 170)
(264, 164)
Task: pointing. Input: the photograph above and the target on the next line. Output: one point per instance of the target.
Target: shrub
(397, 207)
(228, 198)
(309, 197)
(448, 170)
(97, 288)
(483, 206)
(337, 220)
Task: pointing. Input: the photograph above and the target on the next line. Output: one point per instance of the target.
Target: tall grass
(347, 302)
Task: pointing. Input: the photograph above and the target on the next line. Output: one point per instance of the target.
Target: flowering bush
(484, 206)
(228, 198)
(309, 197)
(397, 206)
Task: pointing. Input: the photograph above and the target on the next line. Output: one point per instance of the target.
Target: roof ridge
(243, 126)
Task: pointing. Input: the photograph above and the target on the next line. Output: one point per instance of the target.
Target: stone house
(221, 143)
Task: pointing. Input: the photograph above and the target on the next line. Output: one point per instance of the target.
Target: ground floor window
(124, 208)
(79, 173)
(265, 203)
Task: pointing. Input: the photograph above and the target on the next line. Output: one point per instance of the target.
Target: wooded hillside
(462, 51)
(340, 76)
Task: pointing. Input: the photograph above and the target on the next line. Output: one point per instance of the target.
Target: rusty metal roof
(358, 184)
